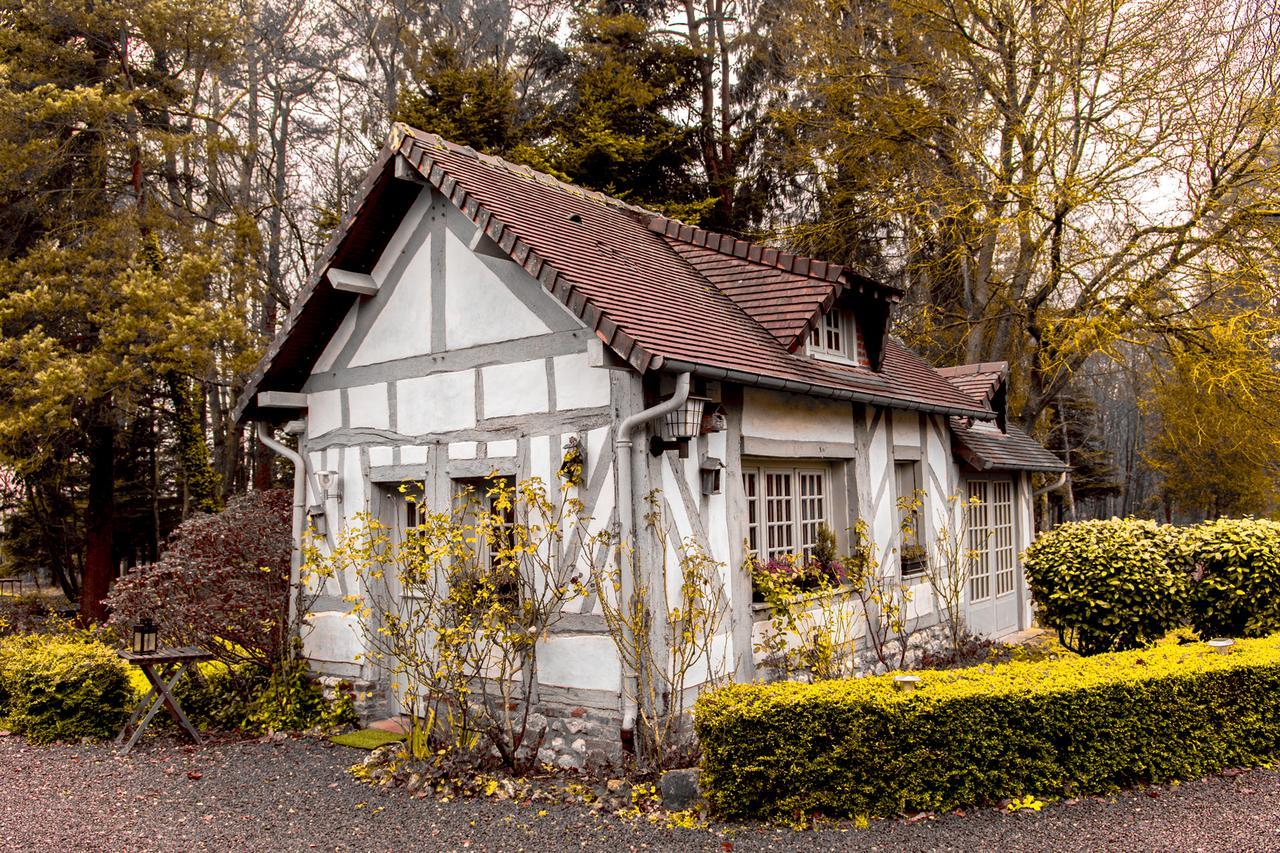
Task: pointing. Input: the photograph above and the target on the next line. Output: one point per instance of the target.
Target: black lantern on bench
(144, 637)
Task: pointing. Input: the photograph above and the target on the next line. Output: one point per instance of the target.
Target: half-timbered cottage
(473, 316)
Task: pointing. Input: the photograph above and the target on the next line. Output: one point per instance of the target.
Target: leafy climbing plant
(455, 611)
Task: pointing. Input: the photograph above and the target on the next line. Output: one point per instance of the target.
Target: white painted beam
(598, 355)
(482, 244)
(406, 172)
(281, 400)
(352, 282)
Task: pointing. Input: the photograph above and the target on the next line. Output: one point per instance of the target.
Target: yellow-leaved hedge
(64, 688)
(966, 737)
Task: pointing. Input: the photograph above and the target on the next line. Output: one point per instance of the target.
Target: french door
(996, 575)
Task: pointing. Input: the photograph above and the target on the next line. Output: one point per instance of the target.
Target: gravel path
(296, 795)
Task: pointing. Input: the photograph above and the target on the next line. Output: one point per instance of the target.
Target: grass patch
(367, 739)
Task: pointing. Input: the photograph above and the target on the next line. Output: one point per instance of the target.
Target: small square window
(837, 337)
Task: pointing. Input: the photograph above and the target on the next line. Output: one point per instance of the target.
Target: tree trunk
(99, 518)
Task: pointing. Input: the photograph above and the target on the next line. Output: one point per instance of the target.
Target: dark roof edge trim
(772, 382)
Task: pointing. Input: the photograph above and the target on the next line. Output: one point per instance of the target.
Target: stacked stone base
(580, 738)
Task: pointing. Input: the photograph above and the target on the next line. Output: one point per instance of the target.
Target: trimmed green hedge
(965, 737)
(62, 688)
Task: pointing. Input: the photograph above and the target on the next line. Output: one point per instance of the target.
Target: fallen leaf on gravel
(1153, 793)
(726, 846)
(1232, 772)
(195, 775)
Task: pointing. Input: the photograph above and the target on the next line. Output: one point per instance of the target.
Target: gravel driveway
(296, 795)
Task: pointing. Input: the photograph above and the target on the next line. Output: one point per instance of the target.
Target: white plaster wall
(883, 517)
(906, 428)
(540, 459)
(403, 326)
(324, 412)
(717, 664)
(585, 661)
(505, 448)
(402, 241)
(414, 455)
(355, 495)
(380, 455)
(795, 417)
(515, 389)
(462, 450)
(332, 636)
(578, 385)
(437, 403)
(480, 292)
(368, 406)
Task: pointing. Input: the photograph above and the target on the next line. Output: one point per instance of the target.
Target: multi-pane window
(1002, 536)
(779, 511)
(485, 494)
(995, 567)
(785, 508)
(979, 510)
(751, 485)
(837, 335)
(911, 551)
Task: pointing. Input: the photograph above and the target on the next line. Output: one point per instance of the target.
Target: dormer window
(837, 338)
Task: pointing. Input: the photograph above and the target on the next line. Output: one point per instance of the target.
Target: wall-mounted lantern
(682, 425)
(330, 485)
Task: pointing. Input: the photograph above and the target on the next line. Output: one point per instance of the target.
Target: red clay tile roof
(646, 285)
(983, 445)
(979, 380)
(986, 448)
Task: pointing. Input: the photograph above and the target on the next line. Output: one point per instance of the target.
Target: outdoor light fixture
(330, 485)
(906, 683)
(144, 637)
(682, 424)
(1222, 645)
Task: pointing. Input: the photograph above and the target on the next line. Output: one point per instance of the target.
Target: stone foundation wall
(932, 640)
(368, 699)
(579, 738)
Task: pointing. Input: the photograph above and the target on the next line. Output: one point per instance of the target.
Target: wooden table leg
(142, 705)
(161, 684)
(175, 710)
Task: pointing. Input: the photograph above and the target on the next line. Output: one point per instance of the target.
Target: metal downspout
(299, 514)
(626, 519)
(1058, 484)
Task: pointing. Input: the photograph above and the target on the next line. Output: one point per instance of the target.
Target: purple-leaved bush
(222, 582)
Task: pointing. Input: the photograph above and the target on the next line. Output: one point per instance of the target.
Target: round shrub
(1235, 564)
(62, 688)
(1108, 585)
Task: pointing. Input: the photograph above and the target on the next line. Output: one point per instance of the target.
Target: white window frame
(919, 535)
(836, 338)
(991, 536)
(796, 518)
(480, 487)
